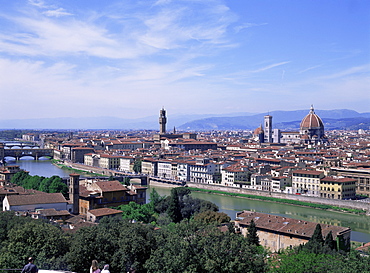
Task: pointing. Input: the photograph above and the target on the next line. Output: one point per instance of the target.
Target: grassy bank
(64, 167)
(283, 201)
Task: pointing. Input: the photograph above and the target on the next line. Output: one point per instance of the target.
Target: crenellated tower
(162, 121)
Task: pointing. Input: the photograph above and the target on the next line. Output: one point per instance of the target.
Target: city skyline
(129, 58)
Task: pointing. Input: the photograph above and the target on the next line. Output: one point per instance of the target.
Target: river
(360, 224)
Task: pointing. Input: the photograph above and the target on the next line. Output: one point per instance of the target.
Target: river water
(360, 224)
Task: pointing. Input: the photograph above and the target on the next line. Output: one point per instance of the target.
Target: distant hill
(333, 119)
(149, 123)
(330, 124)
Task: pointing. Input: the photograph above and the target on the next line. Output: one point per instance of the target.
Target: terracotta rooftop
(109, 186)
(30, 199)
(104, 212)
(287, 225)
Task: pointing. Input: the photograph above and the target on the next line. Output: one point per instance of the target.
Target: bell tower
(74, 192)
(162, 121)
(268, 129)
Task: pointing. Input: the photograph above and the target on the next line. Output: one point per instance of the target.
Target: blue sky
(128, 58)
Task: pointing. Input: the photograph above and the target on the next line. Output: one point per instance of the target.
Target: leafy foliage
(212, 217)
(52, 184)
(27, 237)
(191, 247)
(134, 211)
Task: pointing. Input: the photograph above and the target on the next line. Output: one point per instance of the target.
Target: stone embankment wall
(90, 169)
(332, 202)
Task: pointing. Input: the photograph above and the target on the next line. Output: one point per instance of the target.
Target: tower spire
(312, 111)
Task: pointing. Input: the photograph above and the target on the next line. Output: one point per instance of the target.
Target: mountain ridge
(239, 121)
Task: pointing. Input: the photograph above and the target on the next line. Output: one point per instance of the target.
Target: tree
(303, 261)
(45, 184)
(194, 247)
(212, 217)
(48, 244)
(174, 209)
(137, 166)
(19, 177)
(329, 243)
(252, 236)
(133, 211)
(57, 185)
(127, 181)
(316, 242)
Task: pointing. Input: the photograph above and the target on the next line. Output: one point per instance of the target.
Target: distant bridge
(166, 181)
(25, 150)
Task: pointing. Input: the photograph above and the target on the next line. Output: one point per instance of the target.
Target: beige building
(338, 188)
(92, 160)
(276, 232)
(361, 175)
(95, 215)
(109, 161)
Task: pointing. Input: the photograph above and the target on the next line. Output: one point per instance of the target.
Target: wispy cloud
(248, 25)
(269, 67)
(309, 68)
(57, 13)
(348, 72)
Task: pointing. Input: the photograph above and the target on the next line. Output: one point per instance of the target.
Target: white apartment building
(203, 171)
(126, 164)
(183, 171)
(306, 182)
(279, 183)
(261, 182)
(165, 169)
(234, 177)
(149, 166)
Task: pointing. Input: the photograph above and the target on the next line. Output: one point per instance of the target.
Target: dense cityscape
(179, 136)
(309, 167)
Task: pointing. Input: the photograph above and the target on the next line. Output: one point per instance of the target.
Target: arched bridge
(18, 153)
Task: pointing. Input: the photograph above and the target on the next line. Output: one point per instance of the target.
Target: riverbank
(283, 201)
(74, 169)
(346, 206)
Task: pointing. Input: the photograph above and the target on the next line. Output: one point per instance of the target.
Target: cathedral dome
(311, 121)
(258, 131)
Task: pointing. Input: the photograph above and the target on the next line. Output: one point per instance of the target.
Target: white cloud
(57, 13)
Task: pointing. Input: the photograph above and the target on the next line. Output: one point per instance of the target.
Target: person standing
(94, 267)
(30, 267)
(105, 269)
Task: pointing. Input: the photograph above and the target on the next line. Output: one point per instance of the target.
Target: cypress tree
(174, 209)
(252, 236)
(329, 242)
(316, 242)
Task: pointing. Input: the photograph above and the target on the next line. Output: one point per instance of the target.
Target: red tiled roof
(287, 225)
(104, 212)
(30, 199)
(109, 186)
